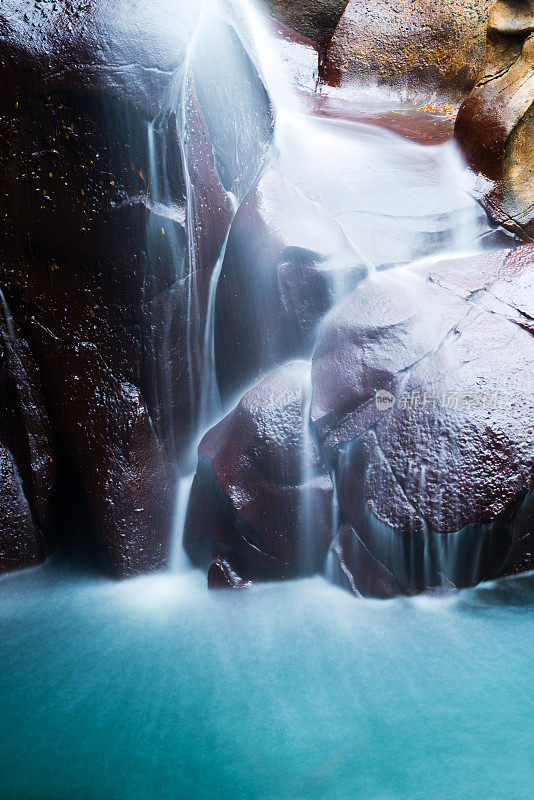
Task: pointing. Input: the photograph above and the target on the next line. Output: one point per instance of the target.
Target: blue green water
(155, 688)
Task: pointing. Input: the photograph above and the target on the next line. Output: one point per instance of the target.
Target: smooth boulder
(261, 501)
(417, 46)
(423, 398)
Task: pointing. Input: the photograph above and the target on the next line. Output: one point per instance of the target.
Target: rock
(224, 146)
(222, 574)
(495, 123)
(295, 59)
(27, 459)
(24, 424)
(380, 182)
(128, 50)
(315, 19)
(72, 270)
(109, 226)
(107, 437)
(261, 492)
(419, 46)
(365, 575)
(423, 400)
(21, 544)
(286, 263)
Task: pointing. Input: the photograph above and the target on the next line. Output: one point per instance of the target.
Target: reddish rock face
(421, 46)
(495, 126)
(433, 472)
(261, 492)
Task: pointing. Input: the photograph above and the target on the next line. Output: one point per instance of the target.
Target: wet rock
(28, 471)
(182, 387)
(223, 574)
(106, 222)
(24, 423)
(124, 49)
(235, 105)
(495, 124)
(224, 144)
(420, 46)
(261, 491)
(315, 19)
(365, 575)
(422, 397)
(21, 543)
(432, 124)
(286, 263)
(297, 58)
(107, 437)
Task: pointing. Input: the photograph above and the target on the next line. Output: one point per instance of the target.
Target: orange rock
(495, 125)
(410, 43)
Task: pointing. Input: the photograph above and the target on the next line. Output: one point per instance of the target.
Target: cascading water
(382, 200)
(217, 168)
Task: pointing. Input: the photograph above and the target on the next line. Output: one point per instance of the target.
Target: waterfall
(231, 114)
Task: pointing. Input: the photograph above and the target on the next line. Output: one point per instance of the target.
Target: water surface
(156, 688)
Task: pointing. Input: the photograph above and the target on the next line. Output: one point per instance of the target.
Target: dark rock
(495, 124)
(222, 574)
(21, 543)
(24, 424)
(106, 434)
(126, 49)
(422, 46)
(433, 471)
(315, 19)
(111, 228)
(364, 573)
(182, 385)
(27, 459)
(262, 492)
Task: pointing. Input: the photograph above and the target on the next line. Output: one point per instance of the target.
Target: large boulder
(124, 49)
(122, 165)
(261, 501)
(423, 400)
(495, 125)
(420, 46)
